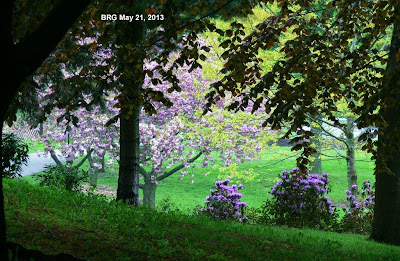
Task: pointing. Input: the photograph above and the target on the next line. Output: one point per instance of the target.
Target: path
(36, 164)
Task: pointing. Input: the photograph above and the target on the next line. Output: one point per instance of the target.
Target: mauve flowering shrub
(224, 203)
(358, 216)
(300, 201)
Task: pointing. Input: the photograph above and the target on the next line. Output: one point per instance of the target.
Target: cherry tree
(171, 141)
(85, 139)
(174, 138)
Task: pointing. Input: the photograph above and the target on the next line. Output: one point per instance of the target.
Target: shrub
(224, 203)
(62, 177)
(300, 201)
(254, 215)
(358, 216)
(167, 206)
(15, 153)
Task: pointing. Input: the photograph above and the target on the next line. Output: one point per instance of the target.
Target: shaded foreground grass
(89, 227)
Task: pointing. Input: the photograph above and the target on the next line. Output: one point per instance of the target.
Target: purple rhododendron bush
(359, 215)
(299, 200)
(224, 203)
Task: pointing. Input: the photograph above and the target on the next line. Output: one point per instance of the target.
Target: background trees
(122, 70)
(171, 141)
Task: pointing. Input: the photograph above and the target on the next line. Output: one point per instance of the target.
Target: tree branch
(276, 162)
(338, 152)
(143, 172)
(34, 48)
(177, 168)
(327, 132)
(190, 23)
(83, 160)
(55, 158)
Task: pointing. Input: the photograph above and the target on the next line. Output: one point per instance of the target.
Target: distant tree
(337, 137)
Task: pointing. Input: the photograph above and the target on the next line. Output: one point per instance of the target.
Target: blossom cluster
(224, 202)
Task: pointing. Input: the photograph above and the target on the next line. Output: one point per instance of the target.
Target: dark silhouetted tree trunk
(129, 168)
(132, 79)
(3, 240)
(23, 58)
(386, 224)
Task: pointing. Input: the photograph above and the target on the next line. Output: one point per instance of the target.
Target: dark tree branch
(6, 20)
(283, 159)
(23, 59)
(34, 48)
(317, 121)
(338, 151)
(192, 22)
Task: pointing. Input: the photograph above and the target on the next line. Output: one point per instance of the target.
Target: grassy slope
(91, 228)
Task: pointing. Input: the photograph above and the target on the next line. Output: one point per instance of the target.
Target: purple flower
(224, 202)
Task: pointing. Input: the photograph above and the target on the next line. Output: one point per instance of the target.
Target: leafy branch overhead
(334, 54)
(101, 53)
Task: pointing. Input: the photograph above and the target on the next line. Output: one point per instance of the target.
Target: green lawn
(35, 146)
(91, 228)
(256, 191)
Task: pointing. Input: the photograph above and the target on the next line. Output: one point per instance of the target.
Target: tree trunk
(351, 156)
(93, 178)
(316, 164)
(132, 78)
(3, 239)
(23, 59)
(149, 193)
(103, 163)
(129, 168)
(386, 223)
(151, 181)
(41, 129)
